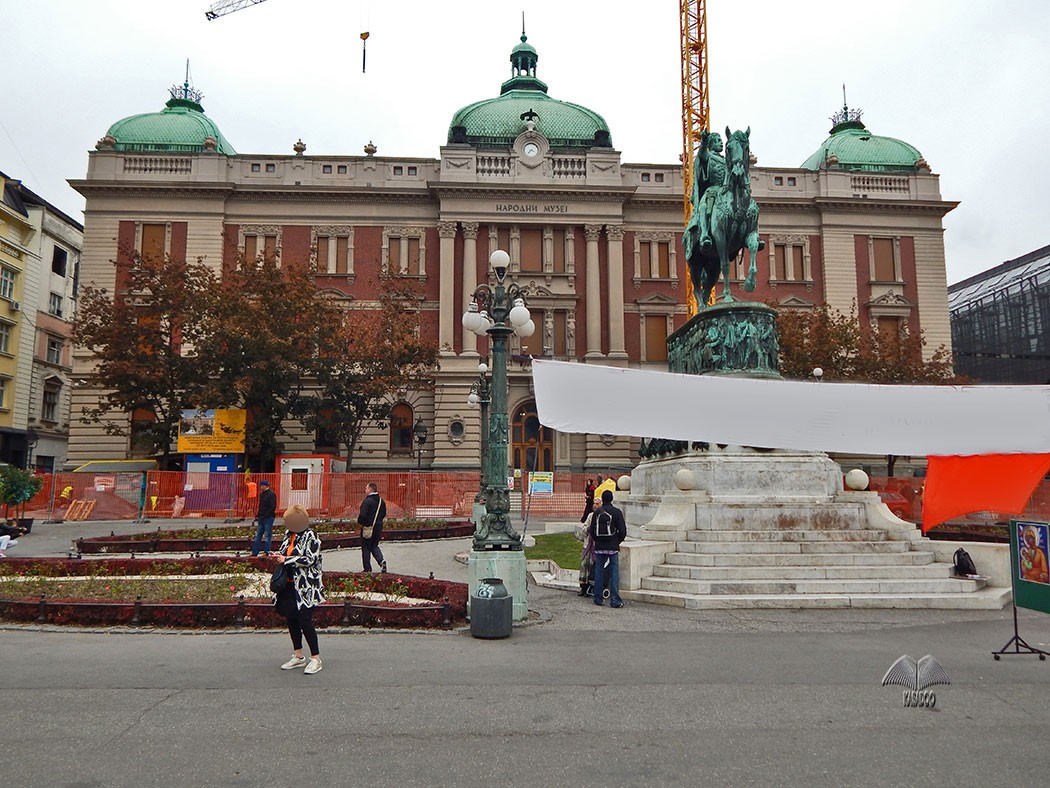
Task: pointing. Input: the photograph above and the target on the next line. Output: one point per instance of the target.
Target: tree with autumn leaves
(261, 337)
(846, 348)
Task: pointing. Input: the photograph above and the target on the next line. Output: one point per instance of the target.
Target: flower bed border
(118, 544)
(447, 610)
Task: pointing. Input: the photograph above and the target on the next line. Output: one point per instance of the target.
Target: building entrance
(532, 443)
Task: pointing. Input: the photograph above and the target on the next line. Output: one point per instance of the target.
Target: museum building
(594, 241)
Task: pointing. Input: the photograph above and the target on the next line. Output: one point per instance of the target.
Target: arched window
(401, 420)
(532, 443)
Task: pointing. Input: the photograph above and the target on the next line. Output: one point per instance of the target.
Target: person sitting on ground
(12, 529)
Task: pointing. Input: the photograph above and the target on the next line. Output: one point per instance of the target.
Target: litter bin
(491, 610)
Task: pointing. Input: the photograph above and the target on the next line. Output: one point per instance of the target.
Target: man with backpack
(607, 530)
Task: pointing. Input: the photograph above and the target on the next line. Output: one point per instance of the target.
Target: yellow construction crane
(695, 105)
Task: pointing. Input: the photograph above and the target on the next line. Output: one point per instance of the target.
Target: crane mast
(228, 7)
(695, 104)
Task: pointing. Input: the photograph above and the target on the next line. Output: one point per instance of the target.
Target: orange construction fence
(423, 494)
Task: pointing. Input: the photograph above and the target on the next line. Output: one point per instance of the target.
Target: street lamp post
(499, 312)
(421, 432)
(481, 394)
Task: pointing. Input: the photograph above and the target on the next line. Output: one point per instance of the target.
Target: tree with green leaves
(268, 325)
(142, 337)
(370, 355)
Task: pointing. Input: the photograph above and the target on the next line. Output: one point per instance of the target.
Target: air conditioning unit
(16, 306)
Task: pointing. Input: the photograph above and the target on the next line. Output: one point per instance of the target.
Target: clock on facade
(530, 149)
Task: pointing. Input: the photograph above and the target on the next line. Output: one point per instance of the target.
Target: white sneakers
(293, 663)
(313, 666)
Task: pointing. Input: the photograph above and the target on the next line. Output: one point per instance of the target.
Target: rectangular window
(256, 168)
(412, 171)
(780, 252)
(778, 180)
(54, 350)
(885, 270)
(5, 338)
(659, 177)
(271, 168)
(300, 479)
(645, 177)
(531, 249)
(7, 283)
(797, 268)
(54, 304)
(792, 181)
(559, 334)
(342, 248)
(326, 169)
(322, 253)
(3, 392)
(154, 241)
(58, 261)
(250, 251)
(49, 408)
(341, 169)
(270, 247)
(559, 249)
(399, 170)
(503, 239)
(395, 254)
(645, 258)
(413, 255)
(655, 337)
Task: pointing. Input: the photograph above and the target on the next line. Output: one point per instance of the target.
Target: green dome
(852, 147)
(497, 122)
(180, 127)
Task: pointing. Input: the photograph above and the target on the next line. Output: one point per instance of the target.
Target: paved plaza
(647, 695)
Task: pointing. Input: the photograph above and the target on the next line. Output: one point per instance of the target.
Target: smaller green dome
(852, 147)
(181, 127)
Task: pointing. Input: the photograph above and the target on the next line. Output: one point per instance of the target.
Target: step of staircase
(914, 558)
(988, 598)
(850, 586)
(738, 548)
(851, 535)
(922, 572)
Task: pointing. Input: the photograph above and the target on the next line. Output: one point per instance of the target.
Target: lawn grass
(562, 549)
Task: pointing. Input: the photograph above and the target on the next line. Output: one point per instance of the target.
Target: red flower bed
(448, 608)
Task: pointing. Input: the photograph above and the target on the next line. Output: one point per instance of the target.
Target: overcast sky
(965, 81)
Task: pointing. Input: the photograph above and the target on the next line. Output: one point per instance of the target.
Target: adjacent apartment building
(594, 240)
(39, 263)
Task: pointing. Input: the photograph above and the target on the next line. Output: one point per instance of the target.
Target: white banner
(793, 414)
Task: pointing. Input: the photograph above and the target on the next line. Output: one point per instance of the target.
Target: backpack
(963, 563)
(604, 528)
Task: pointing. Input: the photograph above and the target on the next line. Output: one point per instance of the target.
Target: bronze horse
(733, 225)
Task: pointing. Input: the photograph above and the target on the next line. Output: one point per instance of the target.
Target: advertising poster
(541, 484)
(212, 431)
(1030, 564)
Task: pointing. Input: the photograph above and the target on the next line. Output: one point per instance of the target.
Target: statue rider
(709, 170)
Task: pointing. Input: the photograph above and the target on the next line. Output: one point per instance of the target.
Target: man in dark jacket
(264, 518)
(607, 529)
(371, 515)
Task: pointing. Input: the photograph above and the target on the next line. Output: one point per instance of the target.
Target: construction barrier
(158, 495)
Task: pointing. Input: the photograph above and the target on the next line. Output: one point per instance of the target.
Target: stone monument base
(508, 566)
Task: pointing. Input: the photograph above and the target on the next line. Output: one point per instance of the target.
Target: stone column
(617, 346)
(470, 280)
(594, 292)
(447, 288)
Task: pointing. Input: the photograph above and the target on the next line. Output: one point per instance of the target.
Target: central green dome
(852, 147)
(181, 127)
(497, 122)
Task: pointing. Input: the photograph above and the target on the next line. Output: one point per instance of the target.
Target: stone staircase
(780, 550)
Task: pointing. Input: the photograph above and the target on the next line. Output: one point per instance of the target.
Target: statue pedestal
(730, 338)
(508, 566)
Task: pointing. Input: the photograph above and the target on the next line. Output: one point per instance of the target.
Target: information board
(1030, 564)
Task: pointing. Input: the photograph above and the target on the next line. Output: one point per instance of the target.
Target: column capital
(614, 232)
(592, 231)
(447, 229)
(470, 229)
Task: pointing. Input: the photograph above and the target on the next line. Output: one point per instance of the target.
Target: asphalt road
(580, 696)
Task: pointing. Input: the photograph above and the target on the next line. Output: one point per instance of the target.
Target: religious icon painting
(1033, 561)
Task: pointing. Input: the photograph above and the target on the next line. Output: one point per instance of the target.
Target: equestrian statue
(724, 219)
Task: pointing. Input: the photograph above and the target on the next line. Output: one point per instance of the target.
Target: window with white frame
(54, 350)
(3, 392)
(261, 241)
(655, 256)
(54, 304)
(5, 337)
(789, 259)
(7, 283)
(335, 249)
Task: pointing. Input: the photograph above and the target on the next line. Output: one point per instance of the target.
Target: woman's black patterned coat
(305, 563)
